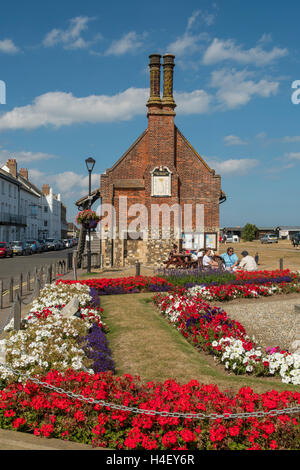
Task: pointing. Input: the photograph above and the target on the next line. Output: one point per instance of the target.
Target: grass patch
(143, 343)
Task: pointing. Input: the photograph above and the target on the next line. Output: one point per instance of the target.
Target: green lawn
(144, 344)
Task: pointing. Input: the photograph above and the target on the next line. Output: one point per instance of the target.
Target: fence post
(21, 284)
(70, 259)
(11, 289)
(28, 281)
(17, 311)
(37, 288)
(75, 265)
(1, 294)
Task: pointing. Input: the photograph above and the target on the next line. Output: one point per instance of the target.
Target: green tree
(249, 232)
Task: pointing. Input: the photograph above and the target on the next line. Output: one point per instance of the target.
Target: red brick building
(160, 168)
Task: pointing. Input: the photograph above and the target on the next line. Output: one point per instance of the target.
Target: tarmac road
(12, 267)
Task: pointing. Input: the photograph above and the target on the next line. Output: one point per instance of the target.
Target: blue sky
(77, 81)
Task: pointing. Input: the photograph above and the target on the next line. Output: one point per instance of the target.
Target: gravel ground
(272, 323)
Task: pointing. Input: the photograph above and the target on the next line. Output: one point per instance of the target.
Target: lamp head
(90, 163)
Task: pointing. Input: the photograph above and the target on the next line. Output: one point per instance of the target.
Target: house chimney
(24, 172)
(46, 189)
(154, 80)
(12, 165)
(168, 68)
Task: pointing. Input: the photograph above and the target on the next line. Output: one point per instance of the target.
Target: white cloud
(24, 156)
(232, 166)
(234, 140)
(69, 184)
(7, 46)
(130, 42)
(188, 42)
(220, 50)
(291, 139)
(195, 102)
(236, 89)
(59, 109)
(62, 109)
(71, 37)
(293, 156)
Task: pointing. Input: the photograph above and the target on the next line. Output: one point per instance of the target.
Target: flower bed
(50, 341)
(210, 329)
(31, 408)
(124, 285)
(211, 286)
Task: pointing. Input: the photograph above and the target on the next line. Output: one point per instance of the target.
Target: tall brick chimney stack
(154, 101)
(46, 189)
(168, 68)
(12, 165)
(24, 172)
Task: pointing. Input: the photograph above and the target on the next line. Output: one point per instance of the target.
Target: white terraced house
(26, 212)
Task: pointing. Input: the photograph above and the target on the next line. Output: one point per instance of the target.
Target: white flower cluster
(61, 294)
(51, 342)
(234, 356)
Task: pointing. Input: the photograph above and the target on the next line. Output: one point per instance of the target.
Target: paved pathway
(13, 440)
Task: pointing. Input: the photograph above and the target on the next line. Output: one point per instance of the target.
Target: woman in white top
(207, 260)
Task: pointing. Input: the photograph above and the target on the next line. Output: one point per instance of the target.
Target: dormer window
(161, 182)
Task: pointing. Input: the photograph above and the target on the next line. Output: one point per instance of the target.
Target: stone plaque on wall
(161, 182)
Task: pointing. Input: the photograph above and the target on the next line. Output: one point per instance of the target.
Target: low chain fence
(200, 416)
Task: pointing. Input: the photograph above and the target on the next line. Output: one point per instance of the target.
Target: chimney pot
(12, 165)
(168, 67)
(24, 172)
(46, 189)
(155, 66)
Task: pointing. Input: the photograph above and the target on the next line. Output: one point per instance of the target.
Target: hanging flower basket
(88, 219)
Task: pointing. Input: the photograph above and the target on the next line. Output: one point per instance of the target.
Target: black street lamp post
(90, 163)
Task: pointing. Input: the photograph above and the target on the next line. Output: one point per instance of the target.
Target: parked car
(51, 244)
(29, 248)
(6, 250)
(60, 244)
(21, 248)
(68, 243)
(35, 246)
(269, 238)
(43, 245)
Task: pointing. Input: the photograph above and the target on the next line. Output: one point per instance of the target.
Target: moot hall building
(160, 169)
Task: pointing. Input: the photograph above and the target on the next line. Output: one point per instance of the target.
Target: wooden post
(28, 281)
(17, 312)
(281, 264)
(1, 294)
(11, 290)
(21, 284)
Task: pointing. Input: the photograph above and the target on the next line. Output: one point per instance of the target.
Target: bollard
(28, 281)
(138, 268)
(281, 264)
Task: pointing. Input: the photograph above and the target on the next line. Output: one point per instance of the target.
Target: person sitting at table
(230, 259)
(247, 263)
(207, 260)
